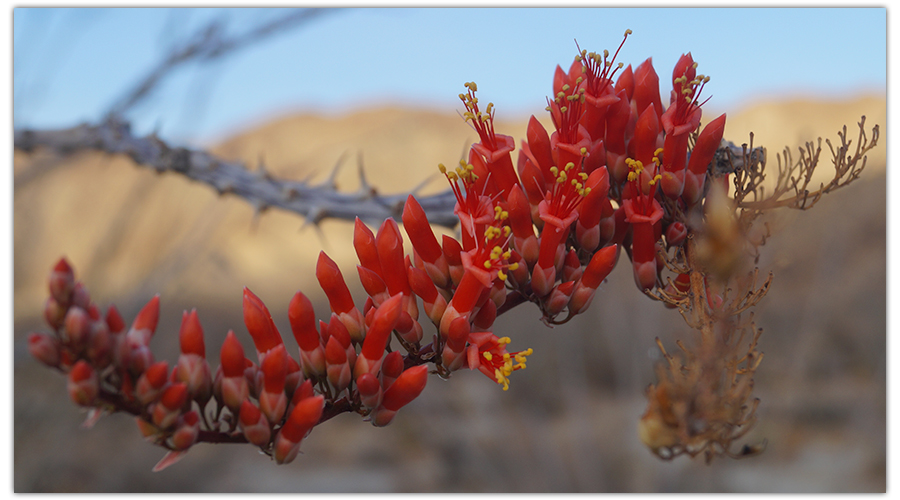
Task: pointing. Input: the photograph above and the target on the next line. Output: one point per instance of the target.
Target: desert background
(567, 423)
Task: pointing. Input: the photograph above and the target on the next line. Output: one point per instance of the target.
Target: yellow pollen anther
(504, 340)
(501, 275)
(513, 266)
(487, 264)
(488, 356)
(627, 32)
(442, 168)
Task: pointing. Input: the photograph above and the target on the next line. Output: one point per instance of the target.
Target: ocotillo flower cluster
(616, 173)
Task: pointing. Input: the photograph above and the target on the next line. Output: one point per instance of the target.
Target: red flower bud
(377, 338)
(303, 418)
(256, 428)
(389, 244)
(167, 410)
(646, 87)
(337, 367)
(259, 323)
(54, 313)
(373, 284)
(61, 282)
(332, 282)
(45, 348)
(407, 387)
(114, 320)
(83, 384)
(150, 384)
(369, 390)
(187, 429)
(148, 317)
(190, 335)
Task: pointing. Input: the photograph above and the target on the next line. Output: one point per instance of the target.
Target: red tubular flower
(303, 325)
(484, 264)
(254, 424)
(682, 118)
(487, 354)
(598, 73)
(571, 141)
(646, 87)
(303, 418)
(377, 338)
(558, 213)
(415, 222)
(234, 387)
(192, 367)
(83, 384)
(494, 148)
(260, 324)
(643, 212)
(702, 154)
(272, 398)
(587, 230)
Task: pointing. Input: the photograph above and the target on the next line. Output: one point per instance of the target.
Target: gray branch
(262, 190)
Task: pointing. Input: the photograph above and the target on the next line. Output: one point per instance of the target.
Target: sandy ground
(567, 423)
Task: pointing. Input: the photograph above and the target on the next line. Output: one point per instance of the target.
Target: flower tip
(62, 266)
(148, 317)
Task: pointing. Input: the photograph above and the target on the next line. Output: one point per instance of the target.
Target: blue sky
(70, 65)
